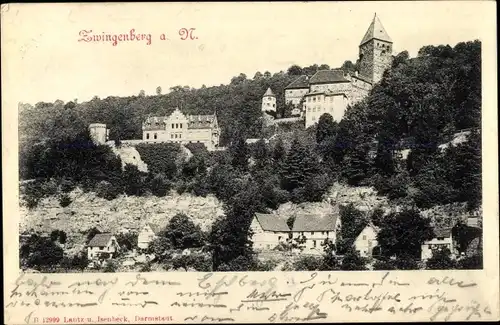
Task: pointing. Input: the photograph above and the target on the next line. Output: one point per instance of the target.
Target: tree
(160, 247)
(40, 253)
(183, 233)
(142, 93)
(326, 127)
(158, 90)
(133, 180)
(294, 70)
(261, 154)
(299, 167)
(239, 153)
(352, 261)
(403, 234)
(159, 185)
(330, 261)
(127, 241)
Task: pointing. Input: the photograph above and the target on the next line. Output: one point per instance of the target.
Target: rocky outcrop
(121, 214)
(129, 155)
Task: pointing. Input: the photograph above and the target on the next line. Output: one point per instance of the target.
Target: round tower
(98, 133)
(269, 101)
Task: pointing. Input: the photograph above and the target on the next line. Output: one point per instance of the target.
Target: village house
(366, 242)
(102, 246)
(268, 231)
(147, 234)
(444, 239)
(316, 229)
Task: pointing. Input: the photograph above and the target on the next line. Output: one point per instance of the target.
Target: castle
(174, 128)
(331, 91)
(183, 129)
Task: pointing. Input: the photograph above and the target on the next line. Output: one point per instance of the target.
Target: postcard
(260, 162)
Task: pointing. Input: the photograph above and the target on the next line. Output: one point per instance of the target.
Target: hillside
(123, 213)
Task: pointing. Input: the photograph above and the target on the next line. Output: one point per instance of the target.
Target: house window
(279, 237)
(156, 136)
(171, 136)
(175, 136)
(314, 243)
(180, 125)
(147, 135)
(274, 105)
(327, 233)
(312, 232)
(364, 237)
(180, 136)
(172, 125)
(268, 104)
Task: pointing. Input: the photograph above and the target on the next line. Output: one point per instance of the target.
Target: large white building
(181, 128)
(331, 91)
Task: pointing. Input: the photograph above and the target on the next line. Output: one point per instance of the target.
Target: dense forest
(420, 101)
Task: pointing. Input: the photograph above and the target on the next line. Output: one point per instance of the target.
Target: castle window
(383, 51)
(156, 136)
(172, 125)
(147, 135)
(274, 105)
(180, 125)
(180, 135)
(171, 136)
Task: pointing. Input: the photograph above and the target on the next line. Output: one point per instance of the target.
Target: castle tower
(375, 52)
(98, 133)
(269, 101)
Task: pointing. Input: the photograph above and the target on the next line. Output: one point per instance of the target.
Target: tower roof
(269, 92)
(376, 30)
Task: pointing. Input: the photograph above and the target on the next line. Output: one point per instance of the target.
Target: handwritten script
(228, 297)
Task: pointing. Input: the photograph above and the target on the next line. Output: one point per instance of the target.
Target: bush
(159, 185)
(64, 200)
(474, 262)
(107, 191)
(67, 185)
(110, 266)
(40, 253)
(308, 263)
(440, 260)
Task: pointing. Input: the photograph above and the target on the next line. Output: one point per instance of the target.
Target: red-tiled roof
(100, 240)
(271, 222)
(312, 222)
(328, 76)
(301, 82)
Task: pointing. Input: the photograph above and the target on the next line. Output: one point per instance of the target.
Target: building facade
(443, 240)
(102, 246)
(183, 129)
(268, 231)
(147, 234)
(366, 242)
(375, 57)
(316, 230)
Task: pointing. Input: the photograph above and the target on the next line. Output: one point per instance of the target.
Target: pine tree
(299, 167)
(239, 153)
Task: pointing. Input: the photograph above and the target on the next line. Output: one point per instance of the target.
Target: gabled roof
(369, 225)
(269, 92)
(376, 31)
(200, 121)
(328, 76)
(271, 222)
(312, 222)
(100, 240)
(301, 82)
(154, 227)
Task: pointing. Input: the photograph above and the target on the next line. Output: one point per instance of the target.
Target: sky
(45, 61)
